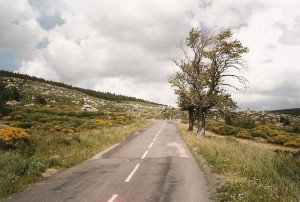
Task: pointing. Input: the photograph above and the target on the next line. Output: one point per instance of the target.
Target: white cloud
(19, 31)
(291, 37)
(273, 64)
(39, 68)
(125, 46)
(128, 86)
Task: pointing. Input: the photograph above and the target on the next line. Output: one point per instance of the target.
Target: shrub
(57, 127)
(292, 144)
(103, 122)
(244, 134)
(284, 120)
(221, 129)
(274, 133)
(25, 124)
(259, 133)
(296, 128)
(279, 139)
(233, 130)
(40, 100)
(6, 118)
(244, 122)
(270, 140)
(17, 117)
(12, 136)
(120, 118)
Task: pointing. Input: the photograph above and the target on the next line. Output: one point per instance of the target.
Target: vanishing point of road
(152, 165)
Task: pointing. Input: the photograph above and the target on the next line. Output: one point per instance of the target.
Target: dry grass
(252, 173)
(55, 150)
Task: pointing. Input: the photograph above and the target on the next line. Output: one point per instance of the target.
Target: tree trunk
(202, 124)
(191, 119)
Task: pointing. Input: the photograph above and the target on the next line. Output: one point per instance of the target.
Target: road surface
(153, 165)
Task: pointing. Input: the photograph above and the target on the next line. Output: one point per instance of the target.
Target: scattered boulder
(88, 108)
(29, 105)
(12, 103)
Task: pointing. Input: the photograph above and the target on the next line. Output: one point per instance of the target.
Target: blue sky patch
(49, 22)
(8, 61)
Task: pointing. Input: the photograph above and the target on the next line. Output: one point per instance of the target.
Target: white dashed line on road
(146, 152)
(113, 198)
(132, 173)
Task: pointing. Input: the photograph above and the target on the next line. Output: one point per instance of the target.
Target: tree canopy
(211, 64)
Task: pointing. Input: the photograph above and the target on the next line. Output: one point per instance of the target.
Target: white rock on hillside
(88, 108)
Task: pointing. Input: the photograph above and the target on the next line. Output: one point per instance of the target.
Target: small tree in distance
(2, 100)
(210, 64)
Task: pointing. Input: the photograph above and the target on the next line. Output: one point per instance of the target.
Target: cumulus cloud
(20, 33)
(291, 36)
(39, 68)
(125, 46)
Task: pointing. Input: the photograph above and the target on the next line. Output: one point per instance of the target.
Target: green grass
(22, 167)
(252, 173)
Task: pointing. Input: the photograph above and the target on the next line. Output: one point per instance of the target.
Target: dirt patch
(49, 172)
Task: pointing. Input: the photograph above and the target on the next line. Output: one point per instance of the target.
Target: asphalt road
(153, 165)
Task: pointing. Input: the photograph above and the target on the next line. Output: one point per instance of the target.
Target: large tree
(211, 63)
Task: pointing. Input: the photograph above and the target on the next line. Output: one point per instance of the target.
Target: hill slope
(294, 111)
(96, 94)
(30, 88)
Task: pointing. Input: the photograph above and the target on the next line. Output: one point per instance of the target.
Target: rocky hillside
(30, 91)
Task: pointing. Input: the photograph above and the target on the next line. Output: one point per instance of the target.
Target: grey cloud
(279, 25)
(205, 3)
(190, 15)
(291, 37)
(288, 87)
(267, 61)
(19, 31)
(271, 46)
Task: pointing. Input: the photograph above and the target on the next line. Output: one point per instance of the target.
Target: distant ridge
(97, 94)
(294, 111)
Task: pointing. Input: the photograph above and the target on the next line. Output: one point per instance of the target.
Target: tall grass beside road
(55, 150)
(251, 173)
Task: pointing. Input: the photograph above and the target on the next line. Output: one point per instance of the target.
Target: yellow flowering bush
(57, 127)
(279, 139)
(103, 122)
(292, 144)
(244, 134)
(11, 136)
(120, 118)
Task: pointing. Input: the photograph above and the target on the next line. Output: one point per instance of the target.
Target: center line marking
(154, 139)
(146, 152)
(150, 145)
(113, 198)
(132, 173)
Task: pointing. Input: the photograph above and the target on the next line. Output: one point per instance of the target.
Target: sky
(126, 47)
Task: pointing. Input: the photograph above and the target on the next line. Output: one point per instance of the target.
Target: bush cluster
(244, 134)
(279, 139)
(120, 118)
(12, 137)
(103, 122)
(292, 144)
(271, 133)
